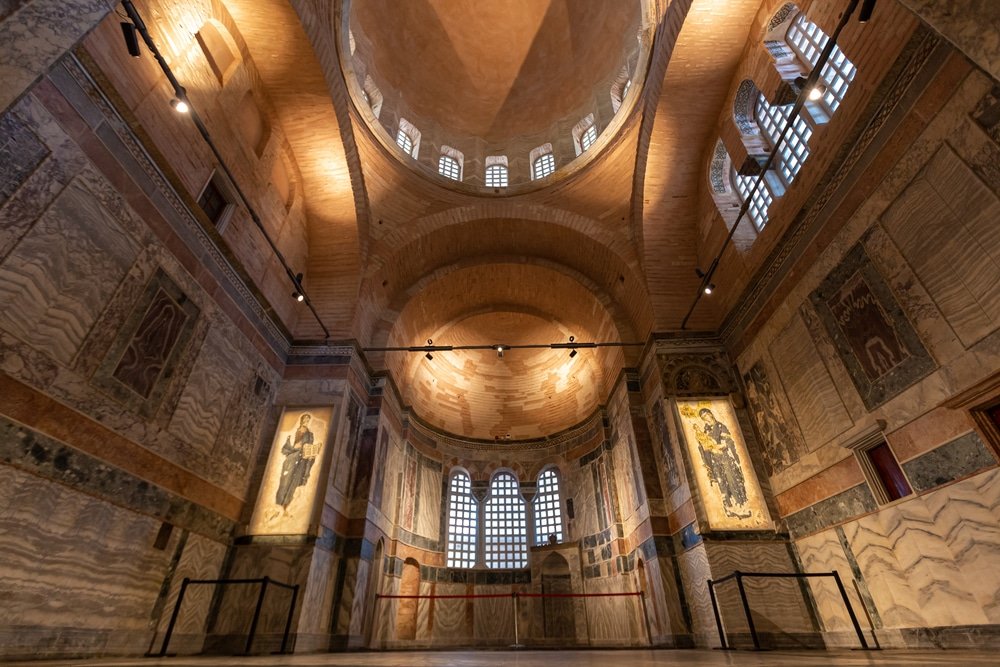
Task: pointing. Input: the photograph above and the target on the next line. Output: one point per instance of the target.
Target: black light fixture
(179, 105)
(573, 351)
(499, 349)
(297, 292)
(709, 288)
(865, 14)
(430, 357)
(131, 38)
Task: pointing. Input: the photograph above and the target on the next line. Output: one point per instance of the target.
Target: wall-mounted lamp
(709, 288)
(499, 349)
(179, 105)
(297, 293)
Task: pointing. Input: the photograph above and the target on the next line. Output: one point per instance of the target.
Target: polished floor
(590, 658)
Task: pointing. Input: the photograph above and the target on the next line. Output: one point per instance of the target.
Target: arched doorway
(558, 613)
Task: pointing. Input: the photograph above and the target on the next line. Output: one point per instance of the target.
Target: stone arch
(252, 124)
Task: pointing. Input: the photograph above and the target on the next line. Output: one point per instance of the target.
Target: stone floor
(592, 658)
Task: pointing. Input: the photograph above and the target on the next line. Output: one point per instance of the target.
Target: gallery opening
(343, 331)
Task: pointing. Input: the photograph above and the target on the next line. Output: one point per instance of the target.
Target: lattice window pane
(448, 167)
(543, 166)
(589, 137)
(462, 522)
(404, 141)
(795, 148)
(760, 202)
(808, 41)
(496, 176)
(548, 508)
(506, 544)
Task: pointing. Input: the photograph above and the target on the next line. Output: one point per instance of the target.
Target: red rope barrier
(509, 595)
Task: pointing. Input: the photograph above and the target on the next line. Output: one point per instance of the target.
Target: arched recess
(219, 48)
(527, 393)
(406, 612)
(252, 124)
(558, 612)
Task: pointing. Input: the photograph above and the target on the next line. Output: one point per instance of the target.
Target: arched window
(408, 138)
(808, 42)
(543, 165)
(548, 508)
(449, 168)
(589, 136)
(496, 176)
(404, 141)
(462, 522)
(795, 148)
(506, 543)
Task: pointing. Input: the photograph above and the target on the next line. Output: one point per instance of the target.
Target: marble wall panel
(58, 278)
(823, 552)
(939, 222)
(428, 514)
(199, 414)
(200, 558)
(21, 151)
(930, 561)
(815, 400)
(695, 573)
(957, 458)
(75, 568)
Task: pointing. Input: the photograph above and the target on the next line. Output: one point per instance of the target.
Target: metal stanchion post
(746, 610)
(514, 599)
(256, 613)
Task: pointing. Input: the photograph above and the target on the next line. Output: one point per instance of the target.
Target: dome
(492, 83)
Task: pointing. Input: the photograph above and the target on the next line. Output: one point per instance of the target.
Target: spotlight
(867, 7)
(709, 288)
(131, 39)
(430, 357)
(297, 293)
(815, 93)
(499, 350)
(179, 105)
(572, 354)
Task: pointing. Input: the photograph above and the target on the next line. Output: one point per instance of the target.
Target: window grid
(543, 166)
(808, 41)
(506, 543)
(548, 508)
(462, 523)
(448, 167)
(761, 201)
(496, 176)
(405, 141)
(795, 148)
(588, 138)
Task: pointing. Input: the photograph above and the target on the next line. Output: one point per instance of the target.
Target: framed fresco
(288, 490)
(726, 481)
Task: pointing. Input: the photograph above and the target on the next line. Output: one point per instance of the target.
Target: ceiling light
(179, 105)
(430, 357)
(572, 354)
(297, 292)
(499, 350)
(709, 288)
(131, 39)
(816, 92)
